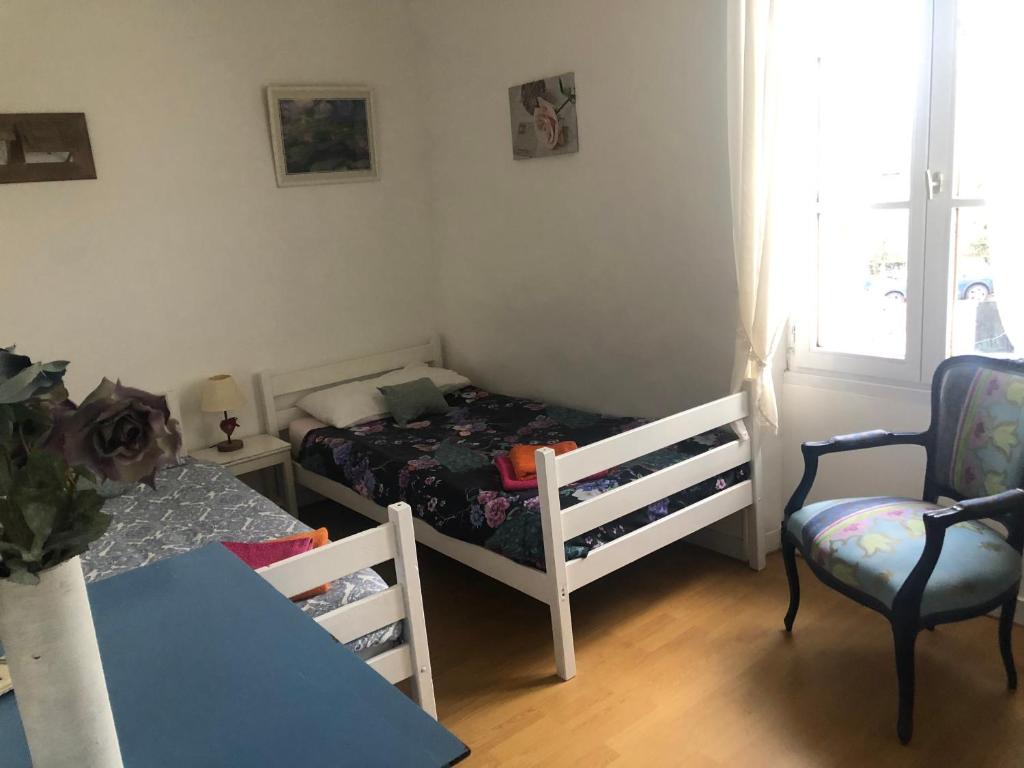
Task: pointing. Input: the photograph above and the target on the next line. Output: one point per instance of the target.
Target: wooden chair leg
(905, 636)
(789, 558)
(1005, 641)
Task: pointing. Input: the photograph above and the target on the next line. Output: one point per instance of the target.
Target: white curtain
(757, 54)
(1000, 162)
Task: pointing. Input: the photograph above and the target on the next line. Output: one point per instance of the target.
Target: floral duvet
(443, 467)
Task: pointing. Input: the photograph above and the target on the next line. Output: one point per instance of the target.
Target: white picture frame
(301, 120)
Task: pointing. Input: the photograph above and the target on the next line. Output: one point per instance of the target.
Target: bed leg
(561, 631)
(554, 563)
(753, 533)
(754, 539)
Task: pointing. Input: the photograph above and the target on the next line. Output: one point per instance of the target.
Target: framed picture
(543, 116)
(48, 146)
(322, 134)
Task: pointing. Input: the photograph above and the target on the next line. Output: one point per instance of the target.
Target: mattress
(299, 428)
(196, 503)
(443, 468)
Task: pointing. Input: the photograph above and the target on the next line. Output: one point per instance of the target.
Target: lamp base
(227, 446)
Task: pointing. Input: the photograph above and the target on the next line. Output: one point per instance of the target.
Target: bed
(664, 479)
(196, 503)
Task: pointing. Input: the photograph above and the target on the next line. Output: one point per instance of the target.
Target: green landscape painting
(325, 135)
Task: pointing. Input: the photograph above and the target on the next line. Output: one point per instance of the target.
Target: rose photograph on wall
(544, 117)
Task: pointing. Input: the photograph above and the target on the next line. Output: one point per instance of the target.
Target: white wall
(819, 407)
(183, 258)
(603, 278)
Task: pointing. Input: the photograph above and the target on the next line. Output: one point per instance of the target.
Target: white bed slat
(394, 665)
(364, 616)
(624, 447)
(620, 501)
(653, 536)
(529, 581)
(332, 561)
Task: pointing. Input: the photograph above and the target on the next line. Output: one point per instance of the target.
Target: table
(208, 665)
(258, 452)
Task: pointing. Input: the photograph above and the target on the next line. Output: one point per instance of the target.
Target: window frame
(930, 263)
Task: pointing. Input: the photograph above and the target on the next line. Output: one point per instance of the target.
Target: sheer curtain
(1003, 162)
(762, 82)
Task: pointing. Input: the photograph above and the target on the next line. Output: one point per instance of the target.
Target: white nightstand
(259, 452)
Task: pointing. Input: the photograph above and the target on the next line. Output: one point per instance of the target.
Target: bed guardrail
(560, 525)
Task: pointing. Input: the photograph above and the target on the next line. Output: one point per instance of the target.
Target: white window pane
(981, 94)
(867, 101)
(862, 282)
(984, 317)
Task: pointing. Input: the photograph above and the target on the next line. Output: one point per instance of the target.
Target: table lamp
(221, 394)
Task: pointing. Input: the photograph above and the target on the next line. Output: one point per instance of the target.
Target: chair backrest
(394, 540)
(977, 430)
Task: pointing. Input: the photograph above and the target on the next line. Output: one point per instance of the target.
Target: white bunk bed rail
(393, 540)
(560, 525)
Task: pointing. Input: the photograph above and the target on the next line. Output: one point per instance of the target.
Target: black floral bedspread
(443, 467)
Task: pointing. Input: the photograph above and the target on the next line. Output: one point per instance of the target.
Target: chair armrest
(1006, 503)
(874, 438)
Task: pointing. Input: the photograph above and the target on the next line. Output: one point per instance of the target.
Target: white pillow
(444, 379)
(357, 402)
(346, 404)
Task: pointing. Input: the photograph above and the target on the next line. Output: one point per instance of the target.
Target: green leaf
(23, 384)
(86, 523)
(15, 530)
(21, 575)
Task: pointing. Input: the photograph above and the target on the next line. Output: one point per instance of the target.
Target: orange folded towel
(524, 463)
(319, 538)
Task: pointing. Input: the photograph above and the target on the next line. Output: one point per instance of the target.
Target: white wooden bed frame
(393, 540)
(280, 390)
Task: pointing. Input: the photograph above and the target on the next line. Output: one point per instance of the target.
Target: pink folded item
(259, 554)
(508, 475)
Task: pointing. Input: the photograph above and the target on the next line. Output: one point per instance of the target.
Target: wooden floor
(682, 661)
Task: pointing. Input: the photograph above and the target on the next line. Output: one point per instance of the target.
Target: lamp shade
(221, 393)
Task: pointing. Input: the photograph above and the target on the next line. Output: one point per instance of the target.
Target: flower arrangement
(54, 455)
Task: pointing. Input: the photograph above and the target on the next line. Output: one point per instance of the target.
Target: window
(911, 128)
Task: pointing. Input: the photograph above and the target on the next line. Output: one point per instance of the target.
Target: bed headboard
(278, 391)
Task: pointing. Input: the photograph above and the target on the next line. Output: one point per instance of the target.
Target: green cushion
(413, 399)
(872, 544)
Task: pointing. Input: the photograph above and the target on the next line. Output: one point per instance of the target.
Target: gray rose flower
(119, 433)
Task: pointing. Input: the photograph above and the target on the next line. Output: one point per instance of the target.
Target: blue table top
(208, 665)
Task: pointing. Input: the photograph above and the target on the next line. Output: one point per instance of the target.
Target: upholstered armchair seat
(872, 544)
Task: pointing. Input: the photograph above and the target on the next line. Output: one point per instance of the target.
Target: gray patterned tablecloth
(195, 504)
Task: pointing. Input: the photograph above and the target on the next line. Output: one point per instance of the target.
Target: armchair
(916, 562)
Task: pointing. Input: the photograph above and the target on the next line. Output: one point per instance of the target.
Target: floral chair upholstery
(917, 562)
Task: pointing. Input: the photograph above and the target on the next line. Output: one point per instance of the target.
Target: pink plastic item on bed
(510, 483)
(259, 554)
